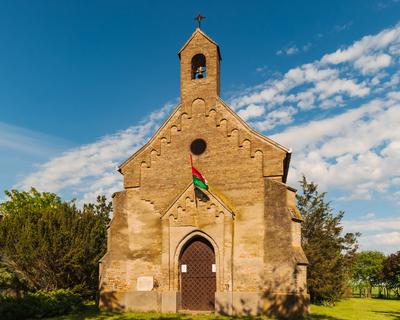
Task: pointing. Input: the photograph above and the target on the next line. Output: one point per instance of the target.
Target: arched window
(198, 66)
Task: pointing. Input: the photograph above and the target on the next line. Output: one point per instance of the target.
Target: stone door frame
(183, 220)
(179, 249)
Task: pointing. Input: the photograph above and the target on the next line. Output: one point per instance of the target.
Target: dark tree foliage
(391, 272)
(330, 252)
(9, 282)
(50, 244)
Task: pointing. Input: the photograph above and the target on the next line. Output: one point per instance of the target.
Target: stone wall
(250, 218)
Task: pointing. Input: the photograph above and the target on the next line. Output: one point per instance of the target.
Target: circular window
(198, 146)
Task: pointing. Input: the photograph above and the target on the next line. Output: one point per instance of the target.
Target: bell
(199, 72)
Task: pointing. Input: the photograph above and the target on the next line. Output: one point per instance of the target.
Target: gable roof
(137, 152)
(177, 113)
(235, 115)
(198, 30)
(209, 193)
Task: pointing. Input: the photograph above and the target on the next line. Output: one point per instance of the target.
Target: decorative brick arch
(181, 245)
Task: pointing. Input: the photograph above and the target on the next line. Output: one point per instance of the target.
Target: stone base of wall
(170, 301)
(228, 303)
(259, 303)
(139, 301)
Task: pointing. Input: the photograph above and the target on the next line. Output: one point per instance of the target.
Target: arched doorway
(197, 274)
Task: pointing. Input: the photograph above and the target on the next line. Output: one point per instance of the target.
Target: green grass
(359, 309)
(348, 309)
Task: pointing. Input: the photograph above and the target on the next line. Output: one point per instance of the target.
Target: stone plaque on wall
(145, 283)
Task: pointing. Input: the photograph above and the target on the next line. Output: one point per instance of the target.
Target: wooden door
(198, 276)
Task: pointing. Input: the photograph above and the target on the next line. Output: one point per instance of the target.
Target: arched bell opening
(199, 70)
(197, 275)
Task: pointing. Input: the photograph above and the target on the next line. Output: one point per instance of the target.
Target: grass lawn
(355, 308)
(359, 309)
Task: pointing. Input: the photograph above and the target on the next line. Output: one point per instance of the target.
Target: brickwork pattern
(250, 220)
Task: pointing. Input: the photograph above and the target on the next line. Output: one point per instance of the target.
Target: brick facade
(251, 218)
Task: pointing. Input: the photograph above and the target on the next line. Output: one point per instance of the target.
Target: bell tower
(200, 69)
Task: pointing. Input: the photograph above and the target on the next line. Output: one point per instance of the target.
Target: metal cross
(199, 18)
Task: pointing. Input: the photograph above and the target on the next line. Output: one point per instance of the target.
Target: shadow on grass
(395, 315)
(91, 313)
(378, 298)
(86, 312)
(321, 317)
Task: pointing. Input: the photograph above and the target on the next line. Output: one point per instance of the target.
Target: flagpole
(194, 187)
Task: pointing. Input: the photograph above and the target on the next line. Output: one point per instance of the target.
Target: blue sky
(83, 84)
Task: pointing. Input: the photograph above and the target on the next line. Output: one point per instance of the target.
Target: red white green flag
(198, 179)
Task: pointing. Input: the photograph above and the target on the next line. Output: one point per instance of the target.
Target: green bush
(50, 244)
(40, 304)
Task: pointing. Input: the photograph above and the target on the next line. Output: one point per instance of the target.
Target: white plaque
(145, 283)
(183, 268)
(214, 268)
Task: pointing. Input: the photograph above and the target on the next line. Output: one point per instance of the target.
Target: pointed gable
(224, 119)
(185, 211)
(198, 32)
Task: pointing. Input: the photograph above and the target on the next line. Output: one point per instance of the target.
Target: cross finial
(198, 19)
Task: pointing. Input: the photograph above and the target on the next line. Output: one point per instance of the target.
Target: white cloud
(336, 101)
(289, 51)
(315, 83)
(313, 132)
(91, 170)
(370, 215)
(364, 47)
(393, 82)
(370, 223)
(29, 142)
(333, 86)
(252, 111)
(343, 27)
(350, 142)
(384, 4)
(277, 117)
(388, 242)
(376, 233)
(307, 46)
(292, 50)
(262, 69)
(373, 63)
(357, 151)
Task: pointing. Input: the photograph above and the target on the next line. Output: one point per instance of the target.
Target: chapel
(231, 244)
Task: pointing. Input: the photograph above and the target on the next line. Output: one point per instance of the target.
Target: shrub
(51, 244)
(40, 304)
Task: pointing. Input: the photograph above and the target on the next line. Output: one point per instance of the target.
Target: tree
(329, 252)
(50, 244)
(9, 282)
(391, 272)
(367, 270)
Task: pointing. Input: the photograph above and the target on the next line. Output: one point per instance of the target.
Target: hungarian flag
(198, 179)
